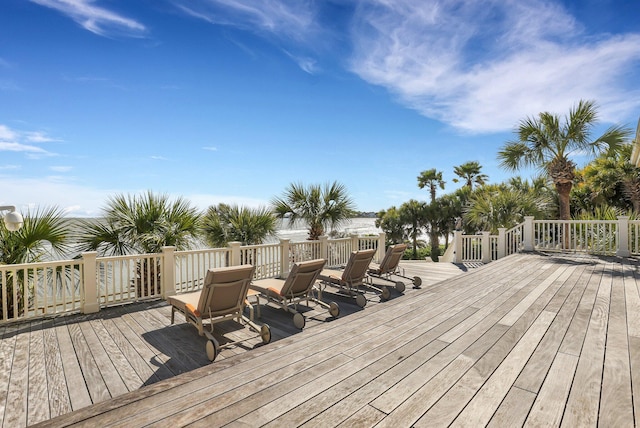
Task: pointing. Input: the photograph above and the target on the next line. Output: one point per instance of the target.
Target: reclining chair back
(225, 290)
(302, 277)
(392, 258)
(357, 266)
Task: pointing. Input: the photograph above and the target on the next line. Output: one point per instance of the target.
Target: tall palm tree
(318, 206)
(432, 179)
(546, 143)
(469, 172)
(224, 223)
(413, 215)
(139, 225)
(45, 235)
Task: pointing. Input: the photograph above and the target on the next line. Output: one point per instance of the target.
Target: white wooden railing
(619, 237)
(90, 283)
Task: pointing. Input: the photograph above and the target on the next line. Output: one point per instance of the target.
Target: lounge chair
(353, 277)
(223, 297)
(298, 287)
(390, 266)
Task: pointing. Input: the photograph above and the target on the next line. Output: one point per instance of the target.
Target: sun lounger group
(224, 294)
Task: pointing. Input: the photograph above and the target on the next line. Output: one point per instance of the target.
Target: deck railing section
(41, 289)
(619, 237)
(33, 290)
(191, 266)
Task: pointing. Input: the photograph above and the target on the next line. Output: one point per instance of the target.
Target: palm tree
(431, 179)
(469, 172)
(612, 180)
(141, 225)
(45, 235)
(413, 215)
(391, 224)
(545, 143)
(225, 223)
(318, 206)
(491, 207)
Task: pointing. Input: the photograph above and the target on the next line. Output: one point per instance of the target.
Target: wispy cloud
(24, 142)
(156, 157)
(291, 19)
(61, 168)
(96, 19)
(210, 148)
(480, 67)
(39, 137)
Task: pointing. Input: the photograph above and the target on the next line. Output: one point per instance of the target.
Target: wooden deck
(532, 339)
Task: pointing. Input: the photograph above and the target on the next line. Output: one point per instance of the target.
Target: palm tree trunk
(564, 190)
(435, 246)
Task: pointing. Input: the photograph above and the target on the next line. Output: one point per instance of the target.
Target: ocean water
(357, 226)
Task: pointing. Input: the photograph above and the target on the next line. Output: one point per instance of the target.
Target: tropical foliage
(45, 234)
(548, 143)
(142, 224)
(224, 223)
(470, 174)
(320, 207)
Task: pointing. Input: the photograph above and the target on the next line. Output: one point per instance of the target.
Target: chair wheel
(417, 282)
(334, 309)
(212, 350)
(400, 286)
(298, 320)
(361, 300)
(386, 293)
(265, 333)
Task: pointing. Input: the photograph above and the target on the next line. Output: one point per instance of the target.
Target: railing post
(623, 237)
(168, 278)
(355, 243)
(324, 247)
(90, 302)
(527, 243)
(486, 247)
(457, 246)
(284, 257)
(234, 246)
(382, 239)
(502, 242)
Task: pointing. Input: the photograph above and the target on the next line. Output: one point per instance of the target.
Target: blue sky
(232, 100)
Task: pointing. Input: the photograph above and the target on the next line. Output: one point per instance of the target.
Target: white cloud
(78, 200)
(159, 158)
(483, 67)
(61, 168)
(25, 148)
(20, 142)
(7, 133)
(290, 19)
(210, 148)
(38, 137)
(96, 19)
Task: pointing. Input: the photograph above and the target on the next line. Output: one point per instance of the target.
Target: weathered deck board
(532, 340)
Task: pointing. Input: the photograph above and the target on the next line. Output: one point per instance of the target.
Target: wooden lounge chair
(390, 266)
(353, 276)
(298, 287)
(223, 297)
